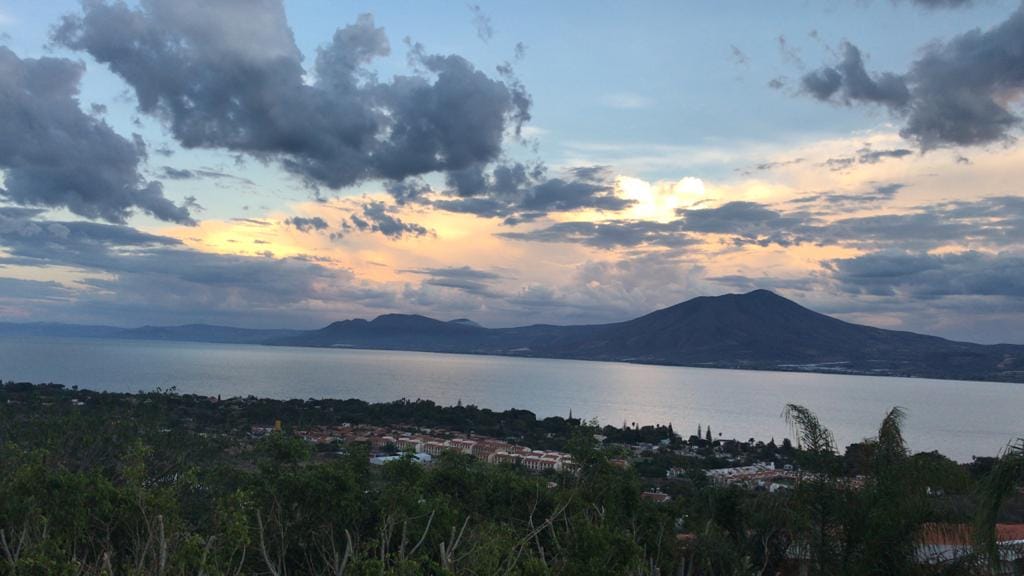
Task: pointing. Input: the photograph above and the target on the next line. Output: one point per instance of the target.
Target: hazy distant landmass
(758, 330)
(183, 333)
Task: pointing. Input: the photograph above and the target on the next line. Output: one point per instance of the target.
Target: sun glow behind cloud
(529, 277)
(659, 201)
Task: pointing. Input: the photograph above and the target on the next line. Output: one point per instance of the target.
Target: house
(656, 496)
(943, 543)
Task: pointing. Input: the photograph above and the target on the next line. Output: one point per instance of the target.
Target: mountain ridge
(758, 330)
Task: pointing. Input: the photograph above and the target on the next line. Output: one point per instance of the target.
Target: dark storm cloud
(376, 217)
(55, 155)
(227, 74)
(307, 224)
(923, 275)
(961, 92)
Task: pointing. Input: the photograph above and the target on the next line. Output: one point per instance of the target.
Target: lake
(960, 419)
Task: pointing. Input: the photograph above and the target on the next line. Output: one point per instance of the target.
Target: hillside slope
(757, 330)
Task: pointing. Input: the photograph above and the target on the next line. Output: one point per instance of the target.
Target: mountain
(204, 333)
(758, 330)
(185, 333)
(57, 330)
(393, 332)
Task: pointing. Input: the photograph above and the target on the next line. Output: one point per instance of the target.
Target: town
(733, 463)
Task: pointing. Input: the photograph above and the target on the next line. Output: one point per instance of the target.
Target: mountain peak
(757, 329)
(465, 322)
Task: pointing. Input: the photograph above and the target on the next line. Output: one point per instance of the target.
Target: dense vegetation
(161, 483)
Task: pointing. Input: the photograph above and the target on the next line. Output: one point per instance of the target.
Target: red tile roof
(962, 534)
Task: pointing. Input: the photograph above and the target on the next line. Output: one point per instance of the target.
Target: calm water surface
(960, 419)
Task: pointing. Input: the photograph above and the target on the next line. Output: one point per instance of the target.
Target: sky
(268, 163)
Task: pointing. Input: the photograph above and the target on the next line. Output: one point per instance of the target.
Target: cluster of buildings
(427, 444)
(757, 476)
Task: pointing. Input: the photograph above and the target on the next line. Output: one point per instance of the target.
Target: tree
(1000, 484)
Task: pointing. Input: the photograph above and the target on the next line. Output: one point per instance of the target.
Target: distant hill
(205, 333)
(185, 333)
(757, 330)
(57, 330)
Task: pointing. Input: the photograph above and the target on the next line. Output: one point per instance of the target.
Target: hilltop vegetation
(161, 483)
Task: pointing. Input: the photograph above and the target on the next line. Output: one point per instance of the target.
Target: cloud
(938, 4)
(610, 234)
(519, 193)
(924, 275)
(55, 155)
(627, 101)
(992, 222)
(463, 278)
(15, 289)
(865, 156)
(848, 82)
(789, 53)
(961, 92)
(964, 88)
(749, 283)
(376, 218)
(482, 23)
(836, 201)
(150, 277)
(746, 221)
(612, 291)
(738, 56)
(307, 224)
(172, 173)
(778, 164)
(228, 75)
(408, 190)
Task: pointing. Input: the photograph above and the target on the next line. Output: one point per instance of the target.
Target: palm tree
(863, 528)
(997, 487)
(811, 434)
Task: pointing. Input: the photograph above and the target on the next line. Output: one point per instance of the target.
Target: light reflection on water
(960, 419)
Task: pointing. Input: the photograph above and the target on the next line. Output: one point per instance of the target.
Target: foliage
(161, 483)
